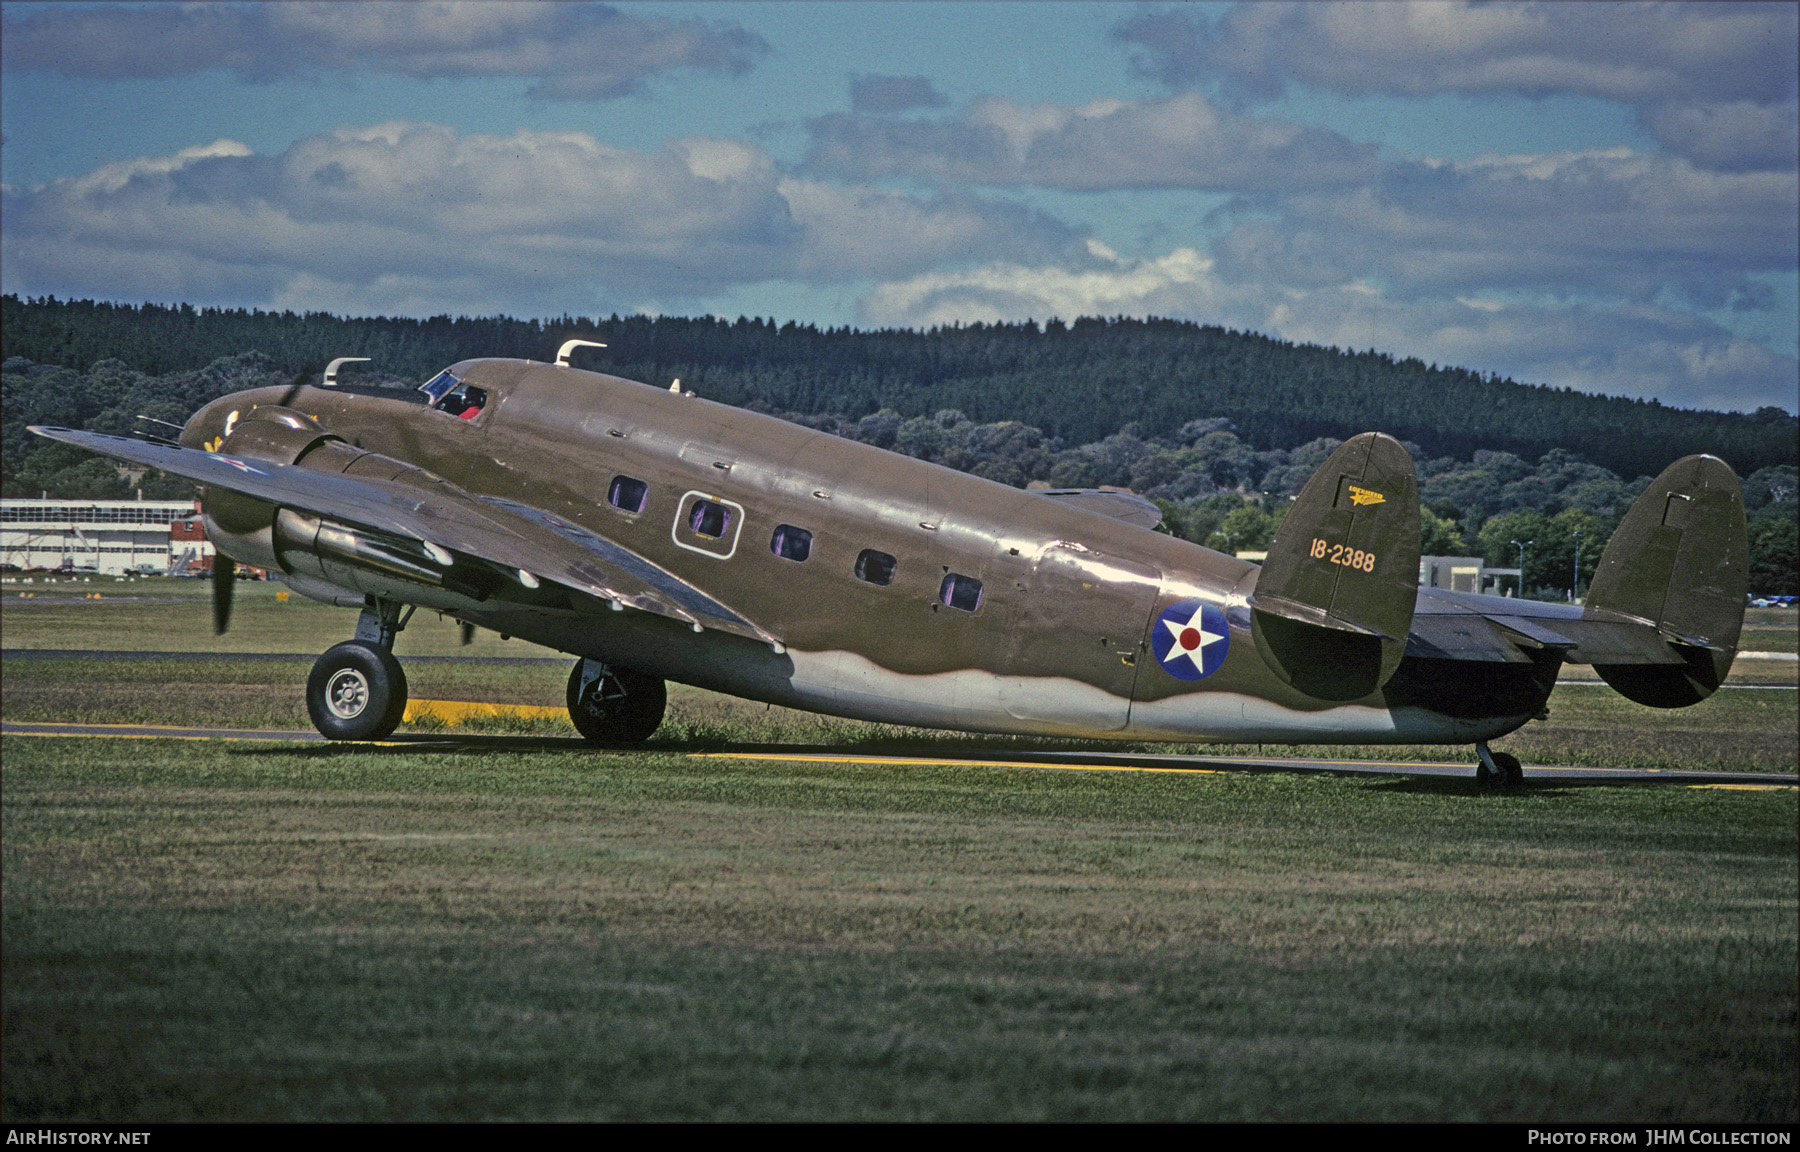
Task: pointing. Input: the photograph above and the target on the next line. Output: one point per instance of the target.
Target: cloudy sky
(1584, 195)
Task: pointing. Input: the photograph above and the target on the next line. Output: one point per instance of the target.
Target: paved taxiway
(1063, 761)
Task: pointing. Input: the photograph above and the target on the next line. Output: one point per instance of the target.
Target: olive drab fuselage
(1002, 610)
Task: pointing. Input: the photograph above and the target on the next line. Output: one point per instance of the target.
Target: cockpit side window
(464, 401)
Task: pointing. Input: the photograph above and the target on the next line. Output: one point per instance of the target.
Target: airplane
(655, 535)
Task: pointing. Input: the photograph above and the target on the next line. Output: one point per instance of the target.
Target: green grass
(217, 931)
(205, 930)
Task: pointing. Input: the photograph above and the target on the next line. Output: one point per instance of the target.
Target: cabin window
(706, 518)
(875, 567)
(627, 494)
(707, 524)
(961, 592)
(791, 543)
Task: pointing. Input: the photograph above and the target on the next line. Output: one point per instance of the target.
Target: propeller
(468, 633)
(224, 580)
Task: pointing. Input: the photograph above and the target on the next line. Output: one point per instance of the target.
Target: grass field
(209, 930)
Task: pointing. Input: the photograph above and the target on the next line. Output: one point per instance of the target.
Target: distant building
(107, 537)
(1466, 574)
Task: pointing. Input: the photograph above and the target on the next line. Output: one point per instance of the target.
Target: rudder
(1680, 562)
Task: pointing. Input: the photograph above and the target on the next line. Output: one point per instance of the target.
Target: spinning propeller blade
(224, 580)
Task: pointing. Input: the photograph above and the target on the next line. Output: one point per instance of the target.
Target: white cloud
(1679, 65)
(533, 220)
(1312, 209)
(1009, 291)
(1612, 222)
(567, 51)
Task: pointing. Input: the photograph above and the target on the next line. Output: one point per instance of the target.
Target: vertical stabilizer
(1334, 601)
(1679, 562)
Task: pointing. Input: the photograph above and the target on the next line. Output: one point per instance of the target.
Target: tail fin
(1679, 562)
(1334, 601)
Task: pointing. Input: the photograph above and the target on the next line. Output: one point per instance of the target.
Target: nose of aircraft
(208, 426)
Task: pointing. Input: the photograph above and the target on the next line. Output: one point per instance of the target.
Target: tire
(1509, 774)
(621, 707)
(1512, 774)
(356, 692)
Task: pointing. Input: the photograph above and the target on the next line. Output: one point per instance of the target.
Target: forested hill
(1082, 381)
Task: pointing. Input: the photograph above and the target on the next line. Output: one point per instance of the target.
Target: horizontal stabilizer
(1334, 600)
(1679, 563)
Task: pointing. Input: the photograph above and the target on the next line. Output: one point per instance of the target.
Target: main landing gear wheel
(1498, 769)
(612, 705)
(356, 692)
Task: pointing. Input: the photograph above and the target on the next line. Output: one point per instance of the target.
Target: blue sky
(1602, 197)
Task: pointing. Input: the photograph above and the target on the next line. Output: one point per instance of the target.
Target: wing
(518, 540)
(1126, 506)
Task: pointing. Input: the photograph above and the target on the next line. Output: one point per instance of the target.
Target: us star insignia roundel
(1190, 639)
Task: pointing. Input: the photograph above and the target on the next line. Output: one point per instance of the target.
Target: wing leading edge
(520, 541)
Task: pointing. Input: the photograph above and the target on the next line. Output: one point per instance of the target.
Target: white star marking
(1191, 639)
(236, 463)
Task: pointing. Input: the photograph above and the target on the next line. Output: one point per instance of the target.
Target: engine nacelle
(365, 561)
(238, 526)
(298, 544)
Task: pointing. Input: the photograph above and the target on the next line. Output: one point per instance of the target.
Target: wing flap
(508, 535)
(1126, 506)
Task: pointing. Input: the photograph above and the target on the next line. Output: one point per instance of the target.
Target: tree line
(1081, 381)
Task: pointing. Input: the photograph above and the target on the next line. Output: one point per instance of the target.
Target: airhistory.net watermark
(55, 1136)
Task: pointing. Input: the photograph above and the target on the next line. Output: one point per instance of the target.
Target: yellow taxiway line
(456, 711)
(941, 762)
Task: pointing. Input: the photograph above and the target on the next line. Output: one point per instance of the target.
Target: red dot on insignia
(1190, 638)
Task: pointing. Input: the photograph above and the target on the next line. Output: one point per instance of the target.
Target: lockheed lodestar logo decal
(1191, 639)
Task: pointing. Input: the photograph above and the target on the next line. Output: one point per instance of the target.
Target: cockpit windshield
(448, 394)
(435, 387)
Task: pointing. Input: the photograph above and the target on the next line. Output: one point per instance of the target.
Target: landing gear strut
(357, 690)
(613, 705)
(1497, 769)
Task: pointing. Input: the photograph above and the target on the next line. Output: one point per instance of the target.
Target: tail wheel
(612, 705)
(356, 692)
